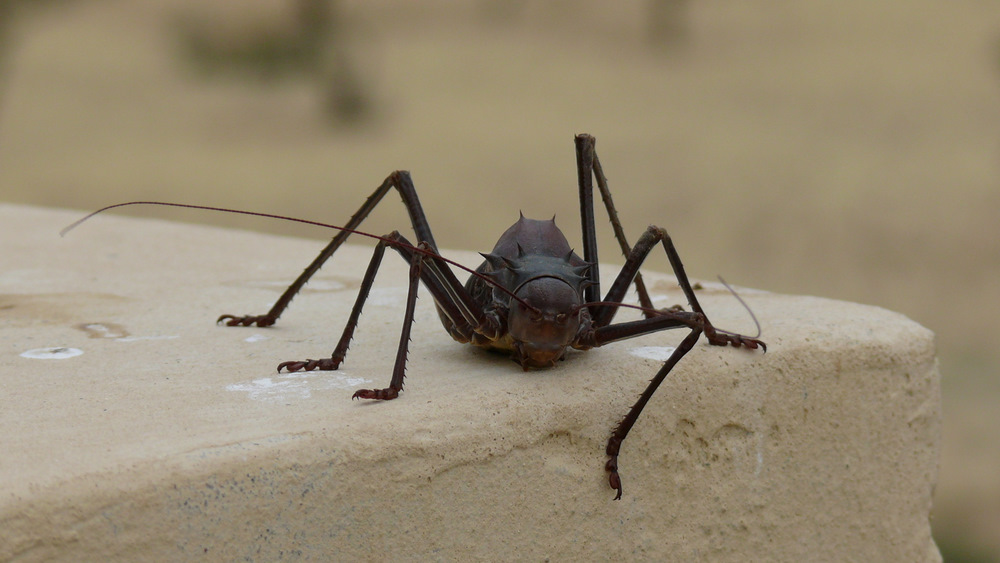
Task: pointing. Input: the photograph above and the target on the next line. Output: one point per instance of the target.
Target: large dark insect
(532, 297)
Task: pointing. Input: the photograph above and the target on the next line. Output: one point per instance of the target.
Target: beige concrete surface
(170, 438)
(841, 149)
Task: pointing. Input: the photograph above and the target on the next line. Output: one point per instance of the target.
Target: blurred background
(844, 149)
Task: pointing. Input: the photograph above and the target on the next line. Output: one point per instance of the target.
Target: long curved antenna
(389, 242)
(745, 306)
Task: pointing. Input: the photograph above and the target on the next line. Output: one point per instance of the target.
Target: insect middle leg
(399, 366)
(454, 303)
(655, 235)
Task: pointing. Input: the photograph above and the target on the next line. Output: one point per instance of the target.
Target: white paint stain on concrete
(299, 385)
(255, 338)
(104, 331)
(138, 338)
(658, 353)
(56, 353)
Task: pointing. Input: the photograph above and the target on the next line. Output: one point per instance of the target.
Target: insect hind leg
(400, 181)
(588, 169)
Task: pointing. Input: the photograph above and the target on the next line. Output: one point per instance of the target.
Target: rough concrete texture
(171, 438)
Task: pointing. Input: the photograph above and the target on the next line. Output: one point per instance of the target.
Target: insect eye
(561, 318)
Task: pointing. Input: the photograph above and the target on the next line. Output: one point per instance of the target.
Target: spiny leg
(662, 320)
(633, 261)
(401, 181)
(340, 352)
(695, 320)
(621, 431)
(636, 257)
(449, 295)
(399, 367)
(584, 171)
(588, 167)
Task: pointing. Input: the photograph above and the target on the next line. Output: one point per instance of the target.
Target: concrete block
(135, 428)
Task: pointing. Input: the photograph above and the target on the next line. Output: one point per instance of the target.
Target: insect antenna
(618, 304)
(389, 242)
(745, 306)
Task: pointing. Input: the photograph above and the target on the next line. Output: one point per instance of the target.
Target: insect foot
(326, 364)
(246, 320)
(378, 394)
(718, 338)
(614, 445)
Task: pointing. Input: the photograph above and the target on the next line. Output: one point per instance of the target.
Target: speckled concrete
(134, 428)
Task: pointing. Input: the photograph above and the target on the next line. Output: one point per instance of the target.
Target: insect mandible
(533, 297)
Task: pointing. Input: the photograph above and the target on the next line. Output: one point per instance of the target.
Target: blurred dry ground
(848, 149)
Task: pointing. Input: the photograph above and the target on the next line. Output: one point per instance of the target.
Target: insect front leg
(621, 431)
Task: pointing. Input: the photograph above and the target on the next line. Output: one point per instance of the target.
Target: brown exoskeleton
(532, 297)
